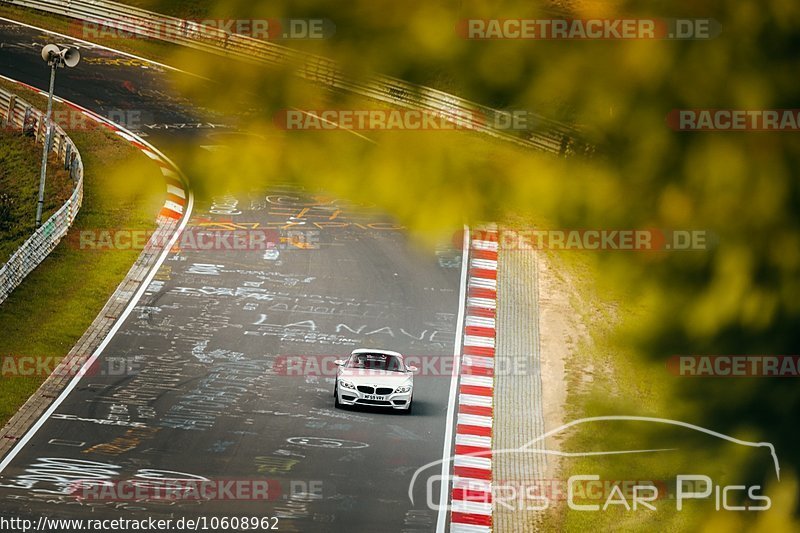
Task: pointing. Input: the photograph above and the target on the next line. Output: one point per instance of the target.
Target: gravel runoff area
(535, 332)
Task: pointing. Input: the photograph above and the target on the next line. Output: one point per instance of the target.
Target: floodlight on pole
(55, 57)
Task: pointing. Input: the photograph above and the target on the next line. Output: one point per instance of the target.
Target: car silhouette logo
(531, 446)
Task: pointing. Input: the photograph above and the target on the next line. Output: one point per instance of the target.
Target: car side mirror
(339, 362)
(412, 368)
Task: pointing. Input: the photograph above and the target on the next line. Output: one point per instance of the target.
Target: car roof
(371, 350)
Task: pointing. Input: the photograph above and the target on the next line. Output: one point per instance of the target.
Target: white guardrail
(546, 135)
(16, 113)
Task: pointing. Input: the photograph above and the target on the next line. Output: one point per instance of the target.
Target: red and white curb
(471, 497)
(175, 203)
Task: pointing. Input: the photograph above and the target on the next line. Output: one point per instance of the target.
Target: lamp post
(55, 57)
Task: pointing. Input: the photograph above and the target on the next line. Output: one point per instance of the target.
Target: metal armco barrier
(548, 135)
(17, 114)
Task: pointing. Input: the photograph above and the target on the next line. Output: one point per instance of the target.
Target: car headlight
(403, 388)
(346, 384)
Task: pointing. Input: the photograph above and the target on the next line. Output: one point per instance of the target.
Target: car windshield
(376, 361)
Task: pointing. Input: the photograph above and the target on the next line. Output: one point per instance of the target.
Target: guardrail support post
(27, 127)
(9, 118)
(73, 168)
(38, 130)
(67, 155)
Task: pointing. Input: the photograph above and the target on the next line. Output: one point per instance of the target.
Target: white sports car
(374, 377)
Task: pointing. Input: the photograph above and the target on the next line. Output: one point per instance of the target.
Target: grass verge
(20, 161)
(609, 372)
(57, 302)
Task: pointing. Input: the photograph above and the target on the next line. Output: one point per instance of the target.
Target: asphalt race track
(205, 393)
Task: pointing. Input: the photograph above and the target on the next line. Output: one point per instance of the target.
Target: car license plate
(374, 397)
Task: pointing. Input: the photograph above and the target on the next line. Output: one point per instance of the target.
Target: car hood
(359, 376)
